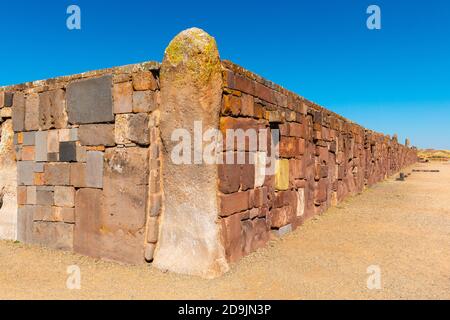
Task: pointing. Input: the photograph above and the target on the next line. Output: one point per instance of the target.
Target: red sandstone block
(249, 133)
(264, 93)
(247, 176)
(232, 237)
(244, 84)
(288, 147)
(301, 146)
(321, 191)
(296, 130)
(280, 217)
(248, 105)
(144, 81)
(231, 105)
(234, 203)
(229, 178)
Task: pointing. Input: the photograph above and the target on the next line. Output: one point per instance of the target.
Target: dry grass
(434, 155)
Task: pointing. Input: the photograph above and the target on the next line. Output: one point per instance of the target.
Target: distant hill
(436, 155)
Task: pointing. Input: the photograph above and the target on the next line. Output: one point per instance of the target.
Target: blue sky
(393, 80)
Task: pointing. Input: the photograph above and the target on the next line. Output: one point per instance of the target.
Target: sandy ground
(402, 227)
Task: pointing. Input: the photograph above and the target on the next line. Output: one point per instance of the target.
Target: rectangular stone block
(94, 169)
(144, 81)
(31, 195)
(29, 138)
(53, 141)
(32, 112)
(44, 197)
(97, 236)
(78, 175)
(41, 146)
(42, 213)
(18, 112)
(25, 224)
(65, 196)
(144, 101)
(21, 195)
(234, 203)
(282, 174)
(53, 235)
(28, 153)
(67, 152)
(90, 101)
(132, 128)
(96, 135)
(52, 110)
(123, 97)
(68, 215)
(25, 173)
(57, 174)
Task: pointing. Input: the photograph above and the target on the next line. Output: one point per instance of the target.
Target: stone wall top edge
(143, 66)
(253, 76)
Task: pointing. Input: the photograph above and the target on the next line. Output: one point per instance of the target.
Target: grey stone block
(283, 231)
(51, 110)
(25, 173)
(44, 198)
(56, 235)
(25, 224)
(96, 135)
(90, 101)
(53, 157)
(29, 138)
(94, 169)
(39, 167)
(9, 96)
(41, 146)
(18, 112)
(67, 152)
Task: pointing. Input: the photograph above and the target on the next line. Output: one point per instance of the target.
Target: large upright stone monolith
(191, 91)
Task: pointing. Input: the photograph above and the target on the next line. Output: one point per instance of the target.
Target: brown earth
(402, 227)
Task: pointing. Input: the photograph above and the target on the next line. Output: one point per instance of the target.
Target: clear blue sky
(396, 80)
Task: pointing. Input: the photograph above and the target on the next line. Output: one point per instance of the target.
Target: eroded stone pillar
(191, 90)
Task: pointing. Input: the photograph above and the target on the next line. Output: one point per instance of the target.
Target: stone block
(68, 215)
(125, 186)
(229, 178)
(96, 135)
(68, 135)
(41, 146)
(144, 81)
(234, 203)
(98, 236)
(31, 196)
(57, 174)
(282, 231)
(94, 169)
(65, 196)
(21, 195)
(152, 230)
(144, 101)
(301, 203)
(39, 167)
(132, 128)
(67, 152)
(123, 97)
(90, 101)
(232, 235)
(81, 153)
(53, 141)
(8, 99)
(53, 235)
(53, 157)
(29, 138)
(28, 153)
(282, 174)
(32, 112)
(52, 110)
(18, 112)
(280, 217)
(43, 213)
(44, 197)
(78, 175)
(25, 173)
(25, 224)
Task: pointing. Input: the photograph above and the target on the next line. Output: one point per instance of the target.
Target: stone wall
(323, 158)
(95, 172)
(83, 146)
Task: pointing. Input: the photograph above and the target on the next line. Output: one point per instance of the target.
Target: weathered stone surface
(18, 112)
(64, 196)
(152, 230)
(144, 81)
(42, 213)
(96, 135)
(282, 174)
(56, 235)
(283, 230)
(41, 146)
(53, 141)
(31, 195)
(25, 224)
(232, 237)
(25, 173)
(44, 197)
(90, 101)
(301, 202)
(234, 203)
(191, 88)
(28, 153)
(67, 152)
(78, 175)
(32, 112)
(52, 112)
(144, 101)
(29, 138)
(97, 236)
(94, 169)
(22, 195)
(125, 187)
(123, 97)
(57, 174)
(132, 128)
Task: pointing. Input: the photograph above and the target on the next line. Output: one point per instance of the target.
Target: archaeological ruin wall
(86, 161)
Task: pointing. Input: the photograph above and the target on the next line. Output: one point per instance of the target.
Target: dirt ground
(402, 227)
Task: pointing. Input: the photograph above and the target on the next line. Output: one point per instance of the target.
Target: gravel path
(401, 227)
